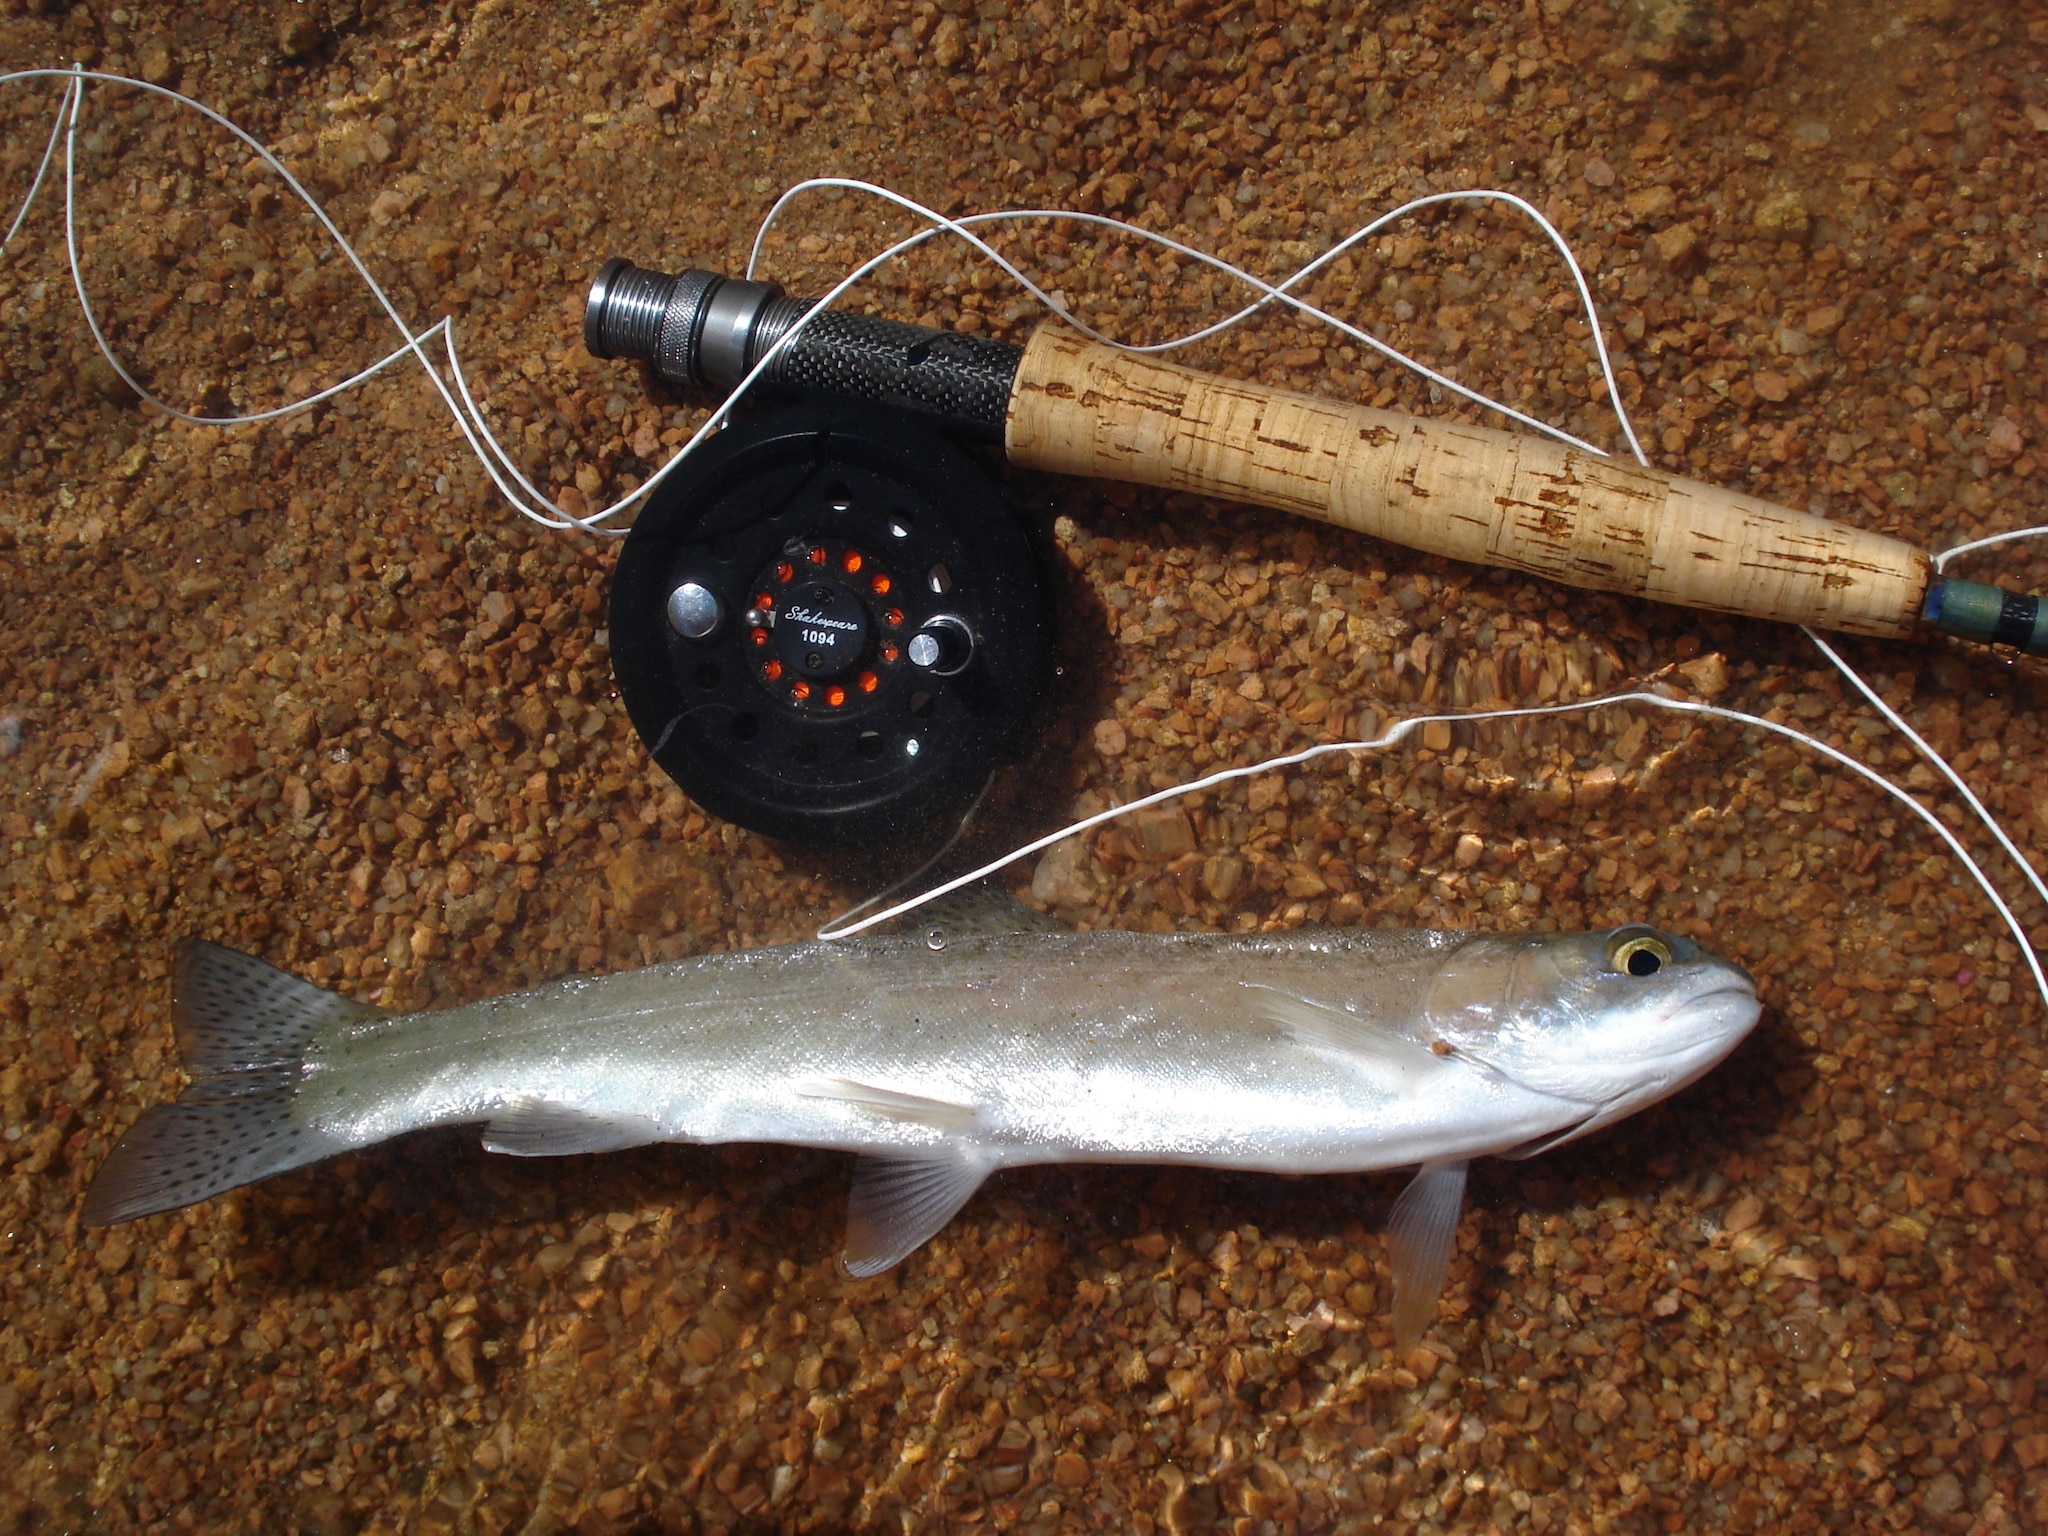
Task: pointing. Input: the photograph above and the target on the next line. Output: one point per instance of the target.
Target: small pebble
(309, 689)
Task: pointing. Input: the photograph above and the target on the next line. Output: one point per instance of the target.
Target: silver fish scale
(1104, 1046)
(949, 1054)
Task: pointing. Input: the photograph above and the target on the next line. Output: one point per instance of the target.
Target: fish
(990, 1038)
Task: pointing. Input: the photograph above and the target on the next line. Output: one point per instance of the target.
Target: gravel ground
(308, 690)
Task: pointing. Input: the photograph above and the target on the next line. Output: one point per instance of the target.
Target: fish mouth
(1684, 1040)
(1722, 1006)
(1718, 1017)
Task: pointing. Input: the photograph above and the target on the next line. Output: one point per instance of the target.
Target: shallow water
(306, 689)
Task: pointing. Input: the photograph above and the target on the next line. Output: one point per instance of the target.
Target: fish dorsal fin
(236, 1014)
(980, 910)
(1420, 1232)
(1400, 1062)
(537, 1128)
(891, 1103)
(898, 1203)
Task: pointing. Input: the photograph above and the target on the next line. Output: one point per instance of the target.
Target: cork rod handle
(1493, 498)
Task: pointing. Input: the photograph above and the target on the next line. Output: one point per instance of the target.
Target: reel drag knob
(944, 646)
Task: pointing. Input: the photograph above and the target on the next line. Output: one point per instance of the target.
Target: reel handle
(1471, 493)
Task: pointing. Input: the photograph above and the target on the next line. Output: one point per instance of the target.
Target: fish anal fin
(538, 1128)
(900, 1203)
(892, 1103)
(1403, 1063)
(1420, 1231)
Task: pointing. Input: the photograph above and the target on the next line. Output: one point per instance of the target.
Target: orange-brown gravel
(309, 690)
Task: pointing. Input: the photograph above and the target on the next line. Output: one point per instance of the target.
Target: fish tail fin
(244, 1028)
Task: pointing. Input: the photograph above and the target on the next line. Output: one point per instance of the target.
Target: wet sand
(310, 690)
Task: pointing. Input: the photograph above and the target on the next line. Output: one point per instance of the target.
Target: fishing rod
(1062, 402)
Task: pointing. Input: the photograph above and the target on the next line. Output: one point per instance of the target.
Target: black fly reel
(828, 625)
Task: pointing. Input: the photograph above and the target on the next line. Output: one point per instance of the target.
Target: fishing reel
(829, 625)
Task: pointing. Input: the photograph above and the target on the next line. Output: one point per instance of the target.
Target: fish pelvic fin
(899, 1203)
(1420, 1232)
(244, 1028)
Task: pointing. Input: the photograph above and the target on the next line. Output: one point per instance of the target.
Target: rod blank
(1492, 498)
(1988, 614)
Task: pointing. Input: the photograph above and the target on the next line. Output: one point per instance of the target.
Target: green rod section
(1987, 614)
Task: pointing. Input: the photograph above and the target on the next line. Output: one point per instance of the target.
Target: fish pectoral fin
(1598, 1117)
(539, 1128)
(1403, 1063)
(1420, 1232)
(899, 1203)
(1543, 1144)
(892, 1103)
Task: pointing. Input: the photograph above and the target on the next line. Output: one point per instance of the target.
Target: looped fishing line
(843, 927)
(532, 503)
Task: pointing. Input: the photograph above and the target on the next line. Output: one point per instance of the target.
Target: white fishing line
(1941, 764)
(71, 109)
(842, 928)
(938, 857)
(42, 170)
(531, 502)
(2011, 536)
(1268, 292)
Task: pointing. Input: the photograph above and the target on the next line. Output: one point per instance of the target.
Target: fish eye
(1637, 952)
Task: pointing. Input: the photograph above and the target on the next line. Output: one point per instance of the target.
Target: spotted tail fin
(243, 1030)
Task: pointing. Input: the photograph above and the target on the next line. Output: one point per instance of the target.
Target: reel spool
(828, 625)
